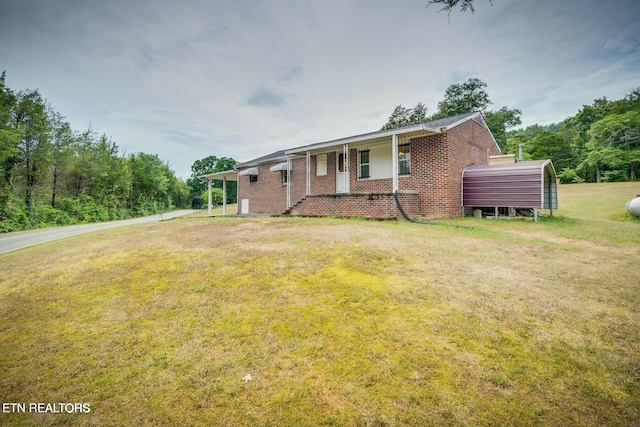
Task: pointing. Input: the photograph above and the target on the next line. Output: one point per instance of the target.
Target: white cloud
(241, 79)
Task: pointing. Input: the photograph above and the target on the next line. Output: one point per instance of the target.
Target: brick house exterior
(356, 176)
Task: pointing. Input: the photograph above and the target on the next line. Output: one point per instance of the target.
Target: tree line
(51, 174)
(601, 142)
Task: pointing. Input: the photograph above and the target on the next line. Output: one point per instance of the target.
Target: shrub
(48, 215)
(614, 176)
(570, 176)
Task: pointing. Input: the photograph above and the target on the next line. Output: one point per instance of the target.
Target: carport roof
(230, 175)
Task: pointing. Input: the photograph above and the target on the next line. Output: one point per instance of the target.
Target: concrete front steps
(378, 205)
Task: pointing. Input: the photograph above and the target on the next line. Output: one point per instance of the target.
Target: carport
(529, 184)
(231, 175)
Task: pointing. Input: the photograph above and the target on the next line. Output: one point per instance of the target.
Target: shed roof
(529, 184)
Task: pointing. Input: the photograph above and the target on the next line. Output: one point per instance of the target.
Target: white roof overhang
(281, 167)
(250, 171)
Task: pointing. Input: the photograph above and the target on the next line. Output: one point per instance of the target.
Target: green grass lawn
(338, 322)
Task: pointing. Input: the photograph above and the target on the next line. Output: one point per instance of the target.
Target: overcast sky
(240, 78)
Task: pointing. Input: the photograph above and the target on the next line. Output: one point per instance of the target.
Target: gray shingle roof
(273, 156)
(435, 124)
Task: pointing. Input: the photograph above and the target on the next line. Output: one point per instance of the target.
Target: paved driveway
(22, 239)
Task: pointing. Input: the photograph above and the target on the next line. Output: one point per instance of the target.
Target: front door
(341, 174)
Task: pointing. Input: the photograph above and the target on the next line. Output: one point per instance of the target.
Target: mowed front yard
(338, 322)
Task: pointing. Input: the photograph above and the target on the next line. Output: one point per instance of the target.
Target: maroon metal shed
(529, 184)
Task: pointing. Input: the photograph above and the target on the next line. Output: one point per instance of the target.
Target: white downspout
(288, 181)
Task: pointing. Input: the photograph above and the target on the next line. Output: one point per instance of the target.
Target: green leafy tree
(216, 196)
(211, 164)
(149, 183)
(522, 137)
(82, 169)
(62, 140)
(112, 182)
(499, 121)
(406, 116)
(35, 145)
(463, 98)
(470, 96)
(179, 192)
(614, 143)
(10, 136)
(551, 145)
(580, 125)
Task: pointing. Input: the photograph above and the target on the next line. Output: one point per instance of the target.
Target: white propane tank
(633, 206)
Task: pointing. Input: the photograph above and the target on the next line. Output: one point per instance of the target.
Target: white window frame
(404, 158)
(361, 164)
(321, 165)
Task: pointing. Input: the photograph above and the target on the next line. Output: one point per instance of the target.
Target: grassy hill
(338, 322)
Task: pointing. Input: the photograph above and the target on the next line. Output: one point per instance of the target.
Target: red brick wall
(324, 184)
(365, 205)
(467, 146)
(428, 176)
(437, 162)
(269, 195)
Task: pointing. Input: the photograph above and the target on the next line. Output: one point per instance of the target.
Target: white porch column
(209, 202)
(394, 162)
(288, 181)
(224, 195)
(308, 172)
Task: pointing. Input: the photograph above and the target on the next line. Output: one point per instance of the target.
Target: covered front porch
(369, 167)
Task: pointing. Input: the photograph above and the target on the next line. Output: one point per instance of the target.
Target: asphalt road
(22, 239)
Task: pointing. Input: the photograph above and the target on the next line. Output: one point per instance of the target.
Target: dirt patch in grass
(338, 322)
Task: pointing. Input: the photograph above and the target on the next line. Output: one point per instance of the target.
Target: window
(321, 164)
(404, 159)
(285, 176)
(341, 162)
(364, 164)
(253, 178)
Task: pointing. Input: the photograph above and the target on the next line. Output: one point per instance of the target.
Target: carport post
(224, 195)
(209, 203)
